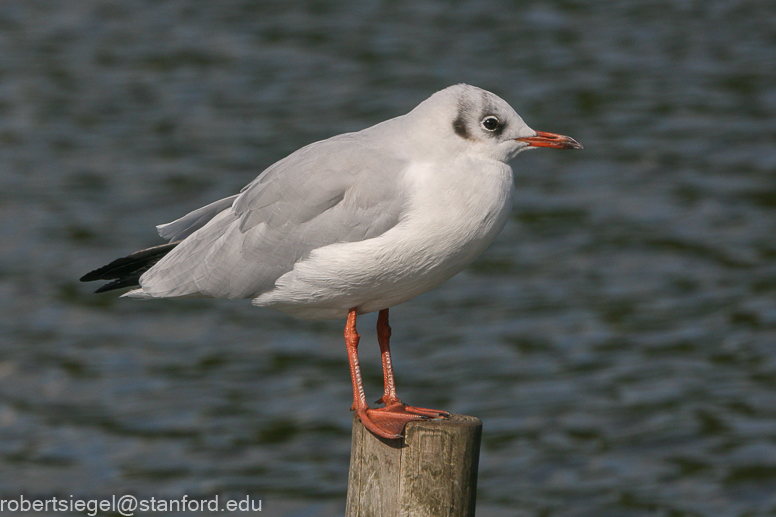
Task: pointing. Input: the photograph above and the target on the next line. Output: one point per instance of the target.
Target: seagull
(353, 224)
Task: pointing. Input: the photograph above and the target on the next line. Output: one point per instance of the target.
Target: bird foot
(389, 421)
(429, 413)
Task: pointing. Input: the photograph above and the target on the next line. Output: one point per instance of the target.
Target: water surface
(617, 340)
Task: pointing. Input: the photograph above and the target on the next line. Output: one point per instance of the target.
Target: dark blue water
(618, 339)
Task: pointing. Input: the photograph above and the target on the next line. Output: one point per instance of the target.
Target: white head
(468, 119)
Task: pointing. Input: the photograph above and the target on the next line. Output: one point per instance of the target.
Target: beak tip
(544, 139)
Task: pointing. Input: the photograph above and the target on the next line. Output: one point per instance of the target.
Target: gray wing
(193, 221)
(337, 190)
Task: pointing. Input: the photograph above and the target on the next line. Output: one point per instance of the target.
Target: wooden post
(430, 472)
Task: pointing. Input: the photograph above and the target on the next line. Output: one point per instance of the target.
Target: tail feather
(126, 271)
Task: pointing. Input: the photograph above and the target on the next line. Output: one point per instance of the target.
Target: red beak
(543, 139)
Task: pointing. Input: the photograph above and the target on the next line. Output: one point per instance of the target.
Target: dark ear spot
(459, 125)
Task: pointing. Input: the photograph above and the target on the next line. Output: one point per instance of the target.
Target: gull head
(464, 118)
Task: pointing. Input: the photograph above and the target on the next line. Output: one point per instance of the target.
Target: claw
(430, 413)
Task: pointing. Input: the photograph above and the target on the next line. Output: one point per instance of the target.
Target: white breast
(451, 217)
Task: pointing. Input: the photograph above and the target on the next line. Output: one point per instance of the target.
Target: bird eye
(490, 123)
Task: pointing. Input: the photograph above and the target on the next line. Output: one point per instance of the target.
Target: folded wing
(333, 191)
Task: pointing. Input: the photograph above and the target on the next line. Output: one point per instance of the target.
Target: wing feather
(333, 191)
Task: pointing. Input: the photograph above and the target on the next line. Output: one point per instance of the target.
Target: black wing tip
(110, 271)
(91, 276)
(126, 271)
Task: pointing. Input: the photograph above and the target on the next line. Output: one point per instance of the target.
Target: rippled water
(617, 340)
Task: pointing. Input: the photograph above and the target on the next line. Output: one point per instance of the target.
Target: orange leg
(389, 397)
(388, 421)
(351, 343)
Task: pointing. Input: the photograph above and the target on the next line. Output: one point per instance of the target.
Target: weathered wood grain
(431, 472)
